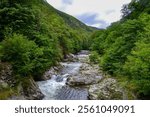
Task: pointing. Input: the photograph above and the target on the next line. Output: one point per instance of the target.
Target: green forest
(34, 36)
(123, 49)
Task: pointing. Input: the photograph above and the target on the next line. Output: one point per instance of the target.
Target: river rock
(84, 52)
(50, 73)
(83, 80)
(83, 56)
(59, 78)
(105, 90)
(87, 75)
(70, 58)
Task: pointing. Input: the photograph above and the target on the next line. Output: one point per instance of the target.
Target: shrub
(94, 57)
(21, 53)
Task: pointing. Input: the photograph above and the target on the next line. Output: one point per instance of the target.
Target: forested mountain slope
(37, 26)
(34, 36)
(123, 49)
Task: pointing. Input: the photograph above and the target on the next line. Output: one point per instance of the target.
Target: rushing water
(56, 89)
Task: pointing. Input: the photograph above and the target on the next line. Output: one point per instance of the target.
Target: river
(56, 88)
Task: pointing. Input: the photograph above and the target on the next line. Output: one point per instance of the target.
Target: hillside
(123, 49)
(33, 37)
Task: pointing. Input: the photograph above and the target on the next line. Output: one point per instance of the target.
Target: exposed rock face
(26, 90)
(105, 90)
(6, 78)
(31, 90)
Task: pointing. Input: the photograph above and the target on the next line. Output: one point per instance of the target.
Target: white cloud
(96, 25)
(106, 10)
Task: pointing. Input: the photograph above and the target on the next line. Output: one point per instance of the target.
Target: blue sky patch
(90, 19)
(98, 13)
(67, 1)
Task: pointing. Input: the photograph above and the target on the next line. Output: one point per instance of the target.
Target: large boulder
(86, 79)
(87, 75)
(106, 90)
(31, 90)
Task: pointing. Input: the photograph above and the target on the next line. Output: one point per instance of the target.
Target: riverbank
(78, 79)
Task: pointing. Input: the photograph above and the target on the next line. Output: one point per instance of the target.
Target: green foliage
(135, 8)
(138, 63)
(98, 38)
(118, 44)
(17, 19)
(94, 57)
(26, 57)
(20, 52)
(137, 66)
(34, 36)
(124, 48)
(6, 93)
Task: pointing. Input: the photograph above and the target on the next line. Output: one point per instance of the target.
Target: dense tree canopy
(34, 36)
(124, 47)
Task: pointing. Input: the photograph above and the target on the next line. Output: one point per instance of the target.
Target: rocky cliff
(13, 88)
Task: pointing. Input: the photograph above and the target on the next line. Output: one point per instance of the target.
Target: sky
(96, 13)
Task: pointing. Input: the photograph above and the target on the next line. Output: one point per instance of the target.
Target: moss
(6, 93)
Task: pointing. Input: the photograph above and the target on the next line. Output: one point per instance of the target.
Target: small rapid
(56, 88)
(50, 87)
